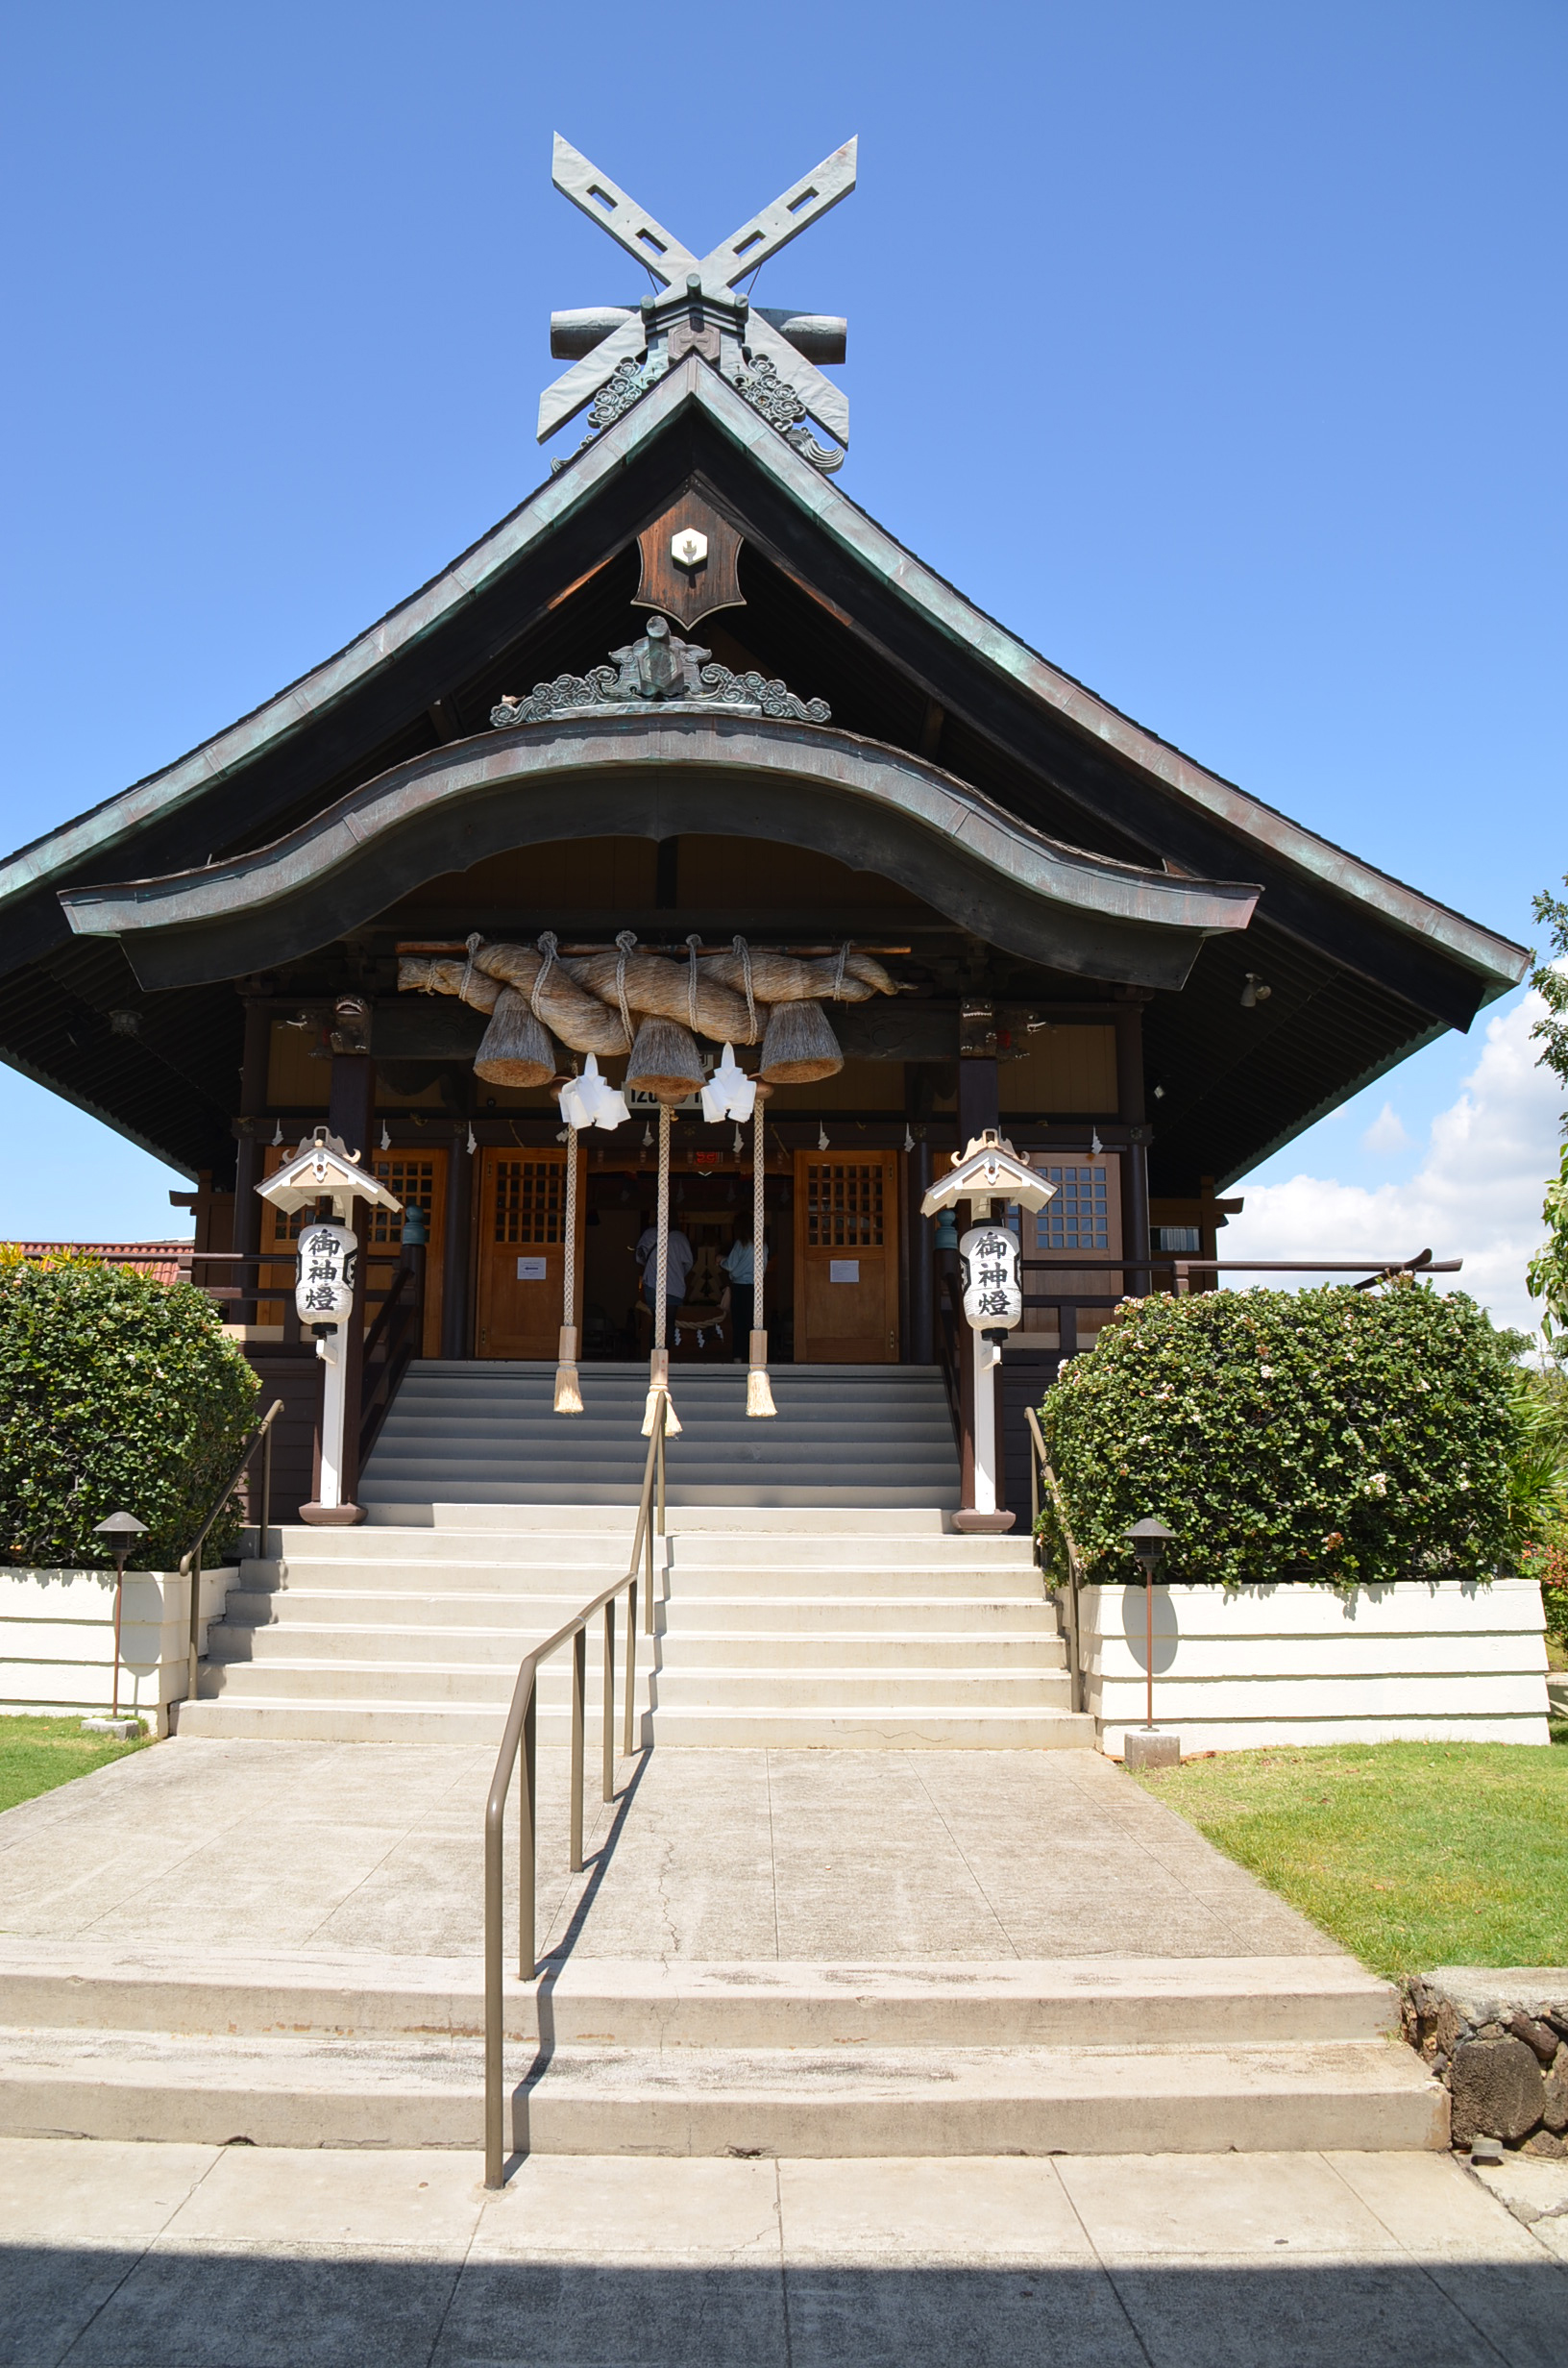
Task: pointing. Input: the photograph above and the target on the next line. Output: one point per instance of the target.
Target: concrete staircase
(621, 2057)
(868, 1629)
(482, 1433)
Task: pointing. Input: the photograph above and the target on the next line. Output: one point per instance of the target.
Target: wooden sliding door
(846, 1258)
(522, 1251)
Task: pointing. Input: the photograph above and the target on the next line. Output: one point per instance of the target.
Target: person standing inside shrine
(677, 1266)
(740, 1264)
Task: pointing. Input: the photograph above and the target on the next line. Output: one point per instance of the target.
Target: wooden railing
(520, 1738)
(391, 1346)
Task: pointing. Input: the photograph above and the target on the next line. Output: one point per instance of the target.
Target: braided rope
(838, 976)
(626, 940)
(691, 945)
(745, 952)
(759, 1160)
(662, 1252)
(548, 943)
(474, 944)
(569, 1315)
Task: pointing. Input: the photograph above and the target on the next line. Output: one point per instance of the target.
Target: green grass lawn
(1410, 1854)
(36, 1753)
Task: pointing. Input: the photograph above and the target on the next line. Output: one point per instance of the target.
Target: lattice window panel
(413, 1180)
(1079, 1217)
(843, 1205)
(530, 1201)
(287, 1226)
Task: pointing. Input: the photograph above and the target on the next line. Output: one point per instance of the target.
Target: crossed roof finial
(698, 309)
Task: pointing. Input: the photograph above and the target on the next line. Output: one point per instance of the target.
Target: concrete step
(403, 1607)
(854, 1436)
(304, 2089)
(810, 1581)
(888, 1726)
(934, 1652)
(395, 1500)
(393, 1685)
(820, 1615)
(282, 1718)
(298, 1636)
(628, 2001)
(694, 1684)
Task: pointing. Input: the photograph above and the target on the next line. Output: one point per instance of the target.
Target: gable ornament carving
(660, 668)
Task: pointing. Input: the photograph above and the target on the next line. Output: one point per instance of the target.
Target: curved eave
(658, 774)
(1495, 960)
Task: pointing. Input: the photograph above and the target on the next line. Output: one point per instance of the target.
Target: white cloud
(1386, 1136)
(1477, 1195)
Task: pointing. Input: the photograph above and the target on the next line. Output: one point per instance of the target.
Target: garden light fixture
(1148, 1539)
(119, 1529)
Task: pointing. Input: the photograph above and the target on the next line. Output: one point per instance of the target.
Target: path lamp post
(1150, 1746)
(119, 1529)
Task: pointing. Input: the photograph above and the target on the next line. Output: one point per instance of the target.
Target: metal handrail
(1040, 1468)
(521, 1734)
(261, 1436)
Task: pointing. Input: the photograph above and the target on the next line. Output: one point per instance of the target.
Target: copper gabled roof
(99, 837)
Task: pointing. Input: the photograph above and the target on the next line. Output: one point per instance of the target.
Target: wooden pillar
(978, 1106)
(1132, 1111)
(921, 1254)
(249, 1153)
(456, 1327)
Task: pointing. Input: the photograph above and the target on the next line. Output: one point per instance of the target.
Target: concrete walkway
(186, 2256)
(705, 1855)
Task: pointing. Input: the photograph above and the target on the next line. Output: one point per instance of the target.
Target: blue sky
(1218, 350)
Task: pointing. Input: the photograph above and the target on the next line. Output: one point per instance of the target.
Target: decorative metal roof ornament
(777, 399)
(660, 668)
(770, 357)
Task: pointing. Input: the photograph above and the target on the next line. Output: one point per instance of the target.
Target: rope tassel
(759, 1389)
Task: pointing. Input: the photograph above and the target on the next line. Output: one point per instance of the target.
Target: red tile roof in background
(160, 1259)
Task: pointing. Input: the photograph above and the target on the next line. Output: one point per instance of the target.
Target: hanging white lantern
(324, 1289)
(992, 1281)
(591, 1100)
(729, 1093)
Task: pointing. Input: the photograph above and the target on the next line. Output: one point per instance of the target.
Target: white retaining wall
(1300, 1664)
(57, 1639)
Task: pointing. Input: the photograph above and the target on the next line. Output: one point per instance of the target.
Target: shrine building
(690, 751)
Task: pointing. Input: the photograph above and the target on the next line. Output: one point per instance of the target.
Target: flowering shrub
(115, 1391)
(1352, 1435)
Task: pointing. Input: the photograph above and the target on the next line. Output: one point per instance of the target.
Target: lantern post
(325, 1169)
(993, 1285)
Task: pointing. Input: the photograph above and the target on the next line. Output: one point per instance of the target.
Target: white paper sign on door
(530, 1271)
(844, 1270)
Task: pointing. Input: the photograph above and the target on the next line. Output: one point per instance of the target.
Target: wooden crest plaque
(689, 561)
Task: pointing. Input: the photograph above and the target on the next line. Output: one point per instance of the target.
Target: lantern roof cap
(989, 1169)
(1152, 1528)
(323, 1165)
(120, 1525)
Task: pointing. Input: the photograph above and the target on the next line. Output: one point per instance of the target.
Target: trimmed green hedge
(1352, 1435)
(115, 1391)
